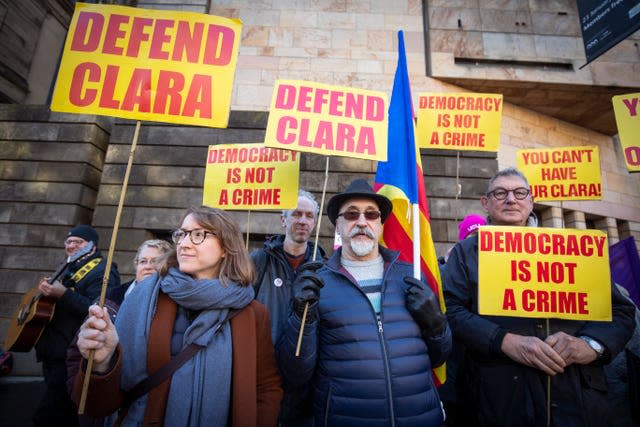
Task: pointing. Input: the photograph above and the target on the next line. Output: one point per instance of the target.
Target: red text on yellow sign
(567, 173)
(459, 121)
(544, 273)
(251, 176)
(142, 64)
(329, 120)
(627, 111)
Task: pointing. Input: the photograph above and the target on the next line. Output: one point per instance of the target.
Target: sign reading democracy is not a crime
(133, 63)
(459, 121)
(544, 273)
(251, 176)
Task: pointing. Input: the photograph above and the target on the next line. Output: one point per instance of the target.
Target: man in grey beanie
(77, 288)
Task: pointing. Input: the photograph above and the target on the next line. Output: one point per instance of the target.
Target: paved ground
(18, 399)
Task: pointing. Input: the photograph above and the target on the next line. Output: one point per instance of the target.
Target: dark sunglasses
(355, 215)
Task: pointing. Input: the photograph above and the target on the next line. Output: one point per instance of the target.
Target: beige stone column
(575, 219)
(552, 217)
(610, 226)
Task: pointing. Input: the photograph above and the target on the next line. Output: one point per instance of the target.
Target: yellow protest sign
(544, 273)
(627, 111)
(133, 63)
(329, 120)
(459, 121)
(566, 173)
(251, 176)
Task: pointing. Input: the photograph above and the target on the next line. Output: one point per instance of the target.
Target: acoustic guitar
(36, 310)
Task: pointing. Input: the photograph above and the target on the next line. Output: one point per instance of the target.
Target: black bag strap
(161, 374)
(260, 264)
(156, 379)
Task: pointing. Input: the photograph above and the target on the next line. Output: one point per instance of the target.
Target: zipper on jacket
(384, 346)
(378, 318)
(387, 370)
(326, 407)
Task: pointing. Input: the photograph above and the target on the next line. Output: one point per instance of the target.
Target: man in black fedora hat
(372, 331)
(78, 287)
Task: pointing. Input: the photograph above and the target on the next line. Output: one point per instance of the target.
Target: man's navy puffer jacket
(365, 371)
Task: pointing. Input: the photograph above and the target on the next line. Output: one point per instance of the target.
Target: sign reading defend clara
(251, 176)
(329, 120)
(140, 64)
(544, 273)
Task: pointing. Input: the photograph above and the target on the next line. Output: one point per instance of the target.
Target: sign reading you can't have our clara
(566, 173)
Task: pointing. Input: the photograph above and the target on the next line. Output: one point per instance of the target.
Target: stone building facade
(57, 170)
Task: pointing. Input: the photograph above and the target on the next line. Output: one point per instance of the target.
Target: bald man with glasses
(372, 331)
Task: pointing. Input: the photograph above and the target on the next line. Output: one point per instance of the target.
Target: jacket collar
(276, 244)
(389, 257)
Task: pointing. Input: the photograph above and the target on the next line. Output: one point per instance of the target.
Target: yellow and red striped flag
(400, 178)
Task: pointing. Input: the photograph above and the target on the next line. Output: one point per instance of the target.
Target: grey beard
(362, 248)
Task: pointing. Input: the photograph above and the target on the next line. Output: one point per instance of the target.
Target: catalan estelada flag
(400, 179)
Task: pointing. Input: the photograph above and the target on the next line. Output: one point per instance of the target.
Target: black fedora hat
(359, 188)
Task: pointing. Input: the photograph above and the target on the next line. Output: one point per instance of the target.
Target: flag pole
(324, 192)
(246, 244)
(415, 228)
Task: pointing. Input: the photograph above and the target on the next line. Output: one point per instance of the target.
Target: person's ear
(485, 203)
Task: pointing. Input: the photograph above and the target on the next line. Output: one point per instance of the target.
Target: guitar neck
(58, 272)
(86, 250)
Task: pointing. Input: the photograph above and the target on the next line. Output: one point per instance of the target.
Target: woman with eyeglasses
(150, 257)
(203, 302)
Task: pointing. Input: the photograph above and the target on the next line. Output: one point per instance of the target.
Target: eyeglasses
(519, 193)
(70, 242)
(144, 262)
(355, 215)
(196, 236)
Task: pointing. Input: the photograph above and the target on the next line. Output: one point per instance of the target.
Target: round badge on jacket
(278, 282)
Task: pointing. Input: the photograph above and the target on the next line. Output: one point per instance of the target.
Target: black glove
(424, 307)
(306, 290)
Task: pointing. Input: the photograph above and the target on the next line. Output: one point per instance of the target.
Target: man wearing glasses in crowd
(508, 360)
(79, 285)
(372, 331)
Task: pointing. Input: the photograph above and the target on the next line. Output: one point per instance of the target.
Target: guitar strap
(79, 275)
